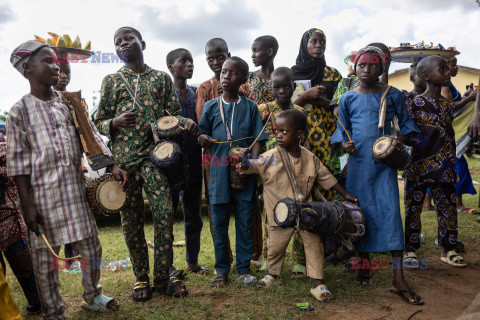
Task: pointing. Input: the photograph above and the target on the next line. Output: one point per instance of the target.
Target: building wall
(463, 78)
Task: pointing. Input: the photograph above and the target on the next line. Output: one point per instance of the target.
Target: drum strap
(133, 95)
(222, 114)
(291, 177)
(272, 124)
(383, 109)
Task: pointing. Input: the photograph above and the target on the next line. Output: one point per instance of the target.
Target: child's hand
(351, 198)
(191, 127)
(349, 147)
(206, 141)
(401, 140)
(125, 120)
(120, 175)
(33, 219)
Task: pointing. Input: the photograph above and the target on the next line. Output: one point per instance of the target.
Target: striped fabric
(42, 142)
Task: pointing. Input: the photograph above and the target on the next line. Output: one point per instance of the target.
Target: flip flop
(468, 210)
(100, 304)
(169, 288)
(411, 293)
(200, 270)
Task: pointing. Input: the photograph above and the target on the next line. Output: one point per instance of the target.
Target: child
(9, 307)
(231, 118)
(433, 162)
(283, 87)
(419, 85)
(374, 183)
(264, 50)
(216, 51)
(180, 64)
(43, 156)
(290, 127)
(128, 128)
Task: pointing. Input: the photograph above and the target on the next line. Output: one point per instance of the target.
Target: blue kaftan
(373, 183)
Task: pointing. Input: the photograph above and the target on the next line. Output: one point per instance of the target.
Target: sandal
(411, 294)
(170, 288)
(141, 286)
(468, 210)
(320, 293)
(266, 282)
(101, 303)
(454, 259)
(410, 260)
(200, 270)
(220, 280)
(363, 280)
(177, 274)
(299, 271)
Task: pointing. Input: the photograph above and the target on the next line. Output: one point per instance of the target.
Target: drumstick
(177, 124)
(261, 131)
(53, 252)
(350, 139)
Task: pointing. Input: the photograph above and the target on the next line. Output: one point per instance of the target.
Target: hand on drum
(351, 198)
(401, 140)
(349, 147)
(120, 175)
(206, 141)
(125, 120)
(191, 127)
(33, 219)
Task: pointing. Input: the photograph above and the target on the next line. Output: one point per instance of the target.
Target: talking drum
(354, 227)
(168, 157)
(236, 180)
(285, 213)
(105, 195)
(170, 128)
(385, 150)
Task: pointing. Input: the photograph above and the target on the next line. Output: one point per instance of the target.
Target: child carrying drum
(43, 156)
(374, 183)
(231, 120)
(307, 168)
(433, 164)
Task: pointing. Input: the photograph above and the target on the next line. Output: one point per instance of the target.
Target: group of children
(43, 156)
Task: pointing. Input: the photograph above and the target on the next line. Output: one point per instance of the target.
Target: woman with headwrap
(311, 65)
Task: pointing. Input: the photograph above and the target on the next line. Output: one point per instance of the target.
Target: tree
(3, 117)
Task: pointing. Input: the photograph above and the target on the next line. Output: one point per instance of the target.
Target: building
(466, 75)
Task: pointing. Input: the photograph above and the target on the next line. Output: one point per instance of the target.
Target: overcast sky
(166, 25)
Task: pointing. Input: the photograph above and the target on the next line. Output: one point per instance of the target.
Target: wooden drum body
(170, 128)
(105, 195)
(285, 213)
(168, 157)
(236, 180)
(385, 150)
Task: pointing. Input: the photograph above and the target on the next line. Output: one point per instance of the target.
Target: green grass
(236, 302)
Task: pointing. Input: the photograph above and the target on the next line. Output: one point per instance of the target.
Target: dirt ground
(446, 291)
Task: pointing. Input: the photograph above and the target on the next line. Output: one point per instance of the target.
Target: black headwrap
(308, 68)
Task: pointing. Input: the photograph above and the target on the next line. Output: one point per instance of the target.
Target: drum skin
(285, 213)
(167, 156)
(385, 149)
(105, 195)
(169, 128)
